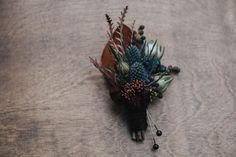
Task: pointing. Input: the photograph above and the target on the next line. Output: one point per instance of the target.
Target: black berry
(141, 27)
(158, 133)
(155, 146)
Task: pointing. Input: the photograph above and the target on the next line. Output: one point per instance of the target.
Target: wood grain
(54, 103)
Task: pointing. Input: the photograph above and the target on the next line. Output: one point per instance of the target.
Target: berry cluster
(139, 37)
(133, 89)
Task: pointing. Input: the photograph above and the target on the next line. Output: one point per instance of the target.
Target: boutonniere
(132, 67)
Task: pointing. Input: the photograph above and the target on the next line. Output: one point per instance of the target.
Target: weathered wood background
(54, 103)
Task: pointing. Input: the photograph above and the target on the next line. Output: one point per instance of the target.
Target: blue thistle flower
(138, 72)
(132, 54)
(150, 65)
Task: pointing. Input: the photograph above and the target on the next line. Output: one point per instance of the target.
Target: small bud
(143, 38)
(123, 67)
(141, 27)
(157, 76)
(141, 32)
(164, 82)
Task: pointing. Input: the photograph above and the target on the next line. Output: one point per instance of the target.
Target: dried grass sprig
(110, 24)
(132, 31)
(122, 18)
(120, 27)
(110, 35)
(108, 74)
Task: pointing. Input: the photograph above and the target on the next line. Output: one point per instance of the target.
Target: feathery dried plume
(110, 24)
(110, 34)
(122, 18)
(108, 73)
(120, 27)
(132, 31)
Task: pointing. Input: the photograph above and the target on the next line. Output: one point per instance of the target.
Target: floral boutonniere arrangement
(133, 70)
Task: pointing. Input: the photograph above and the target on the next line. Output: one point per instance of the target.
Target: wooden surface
(54, 103)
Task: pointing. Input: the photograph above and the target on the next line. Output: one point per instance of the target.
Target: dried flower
(154, 51)
(163, 82)
(133, 90)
